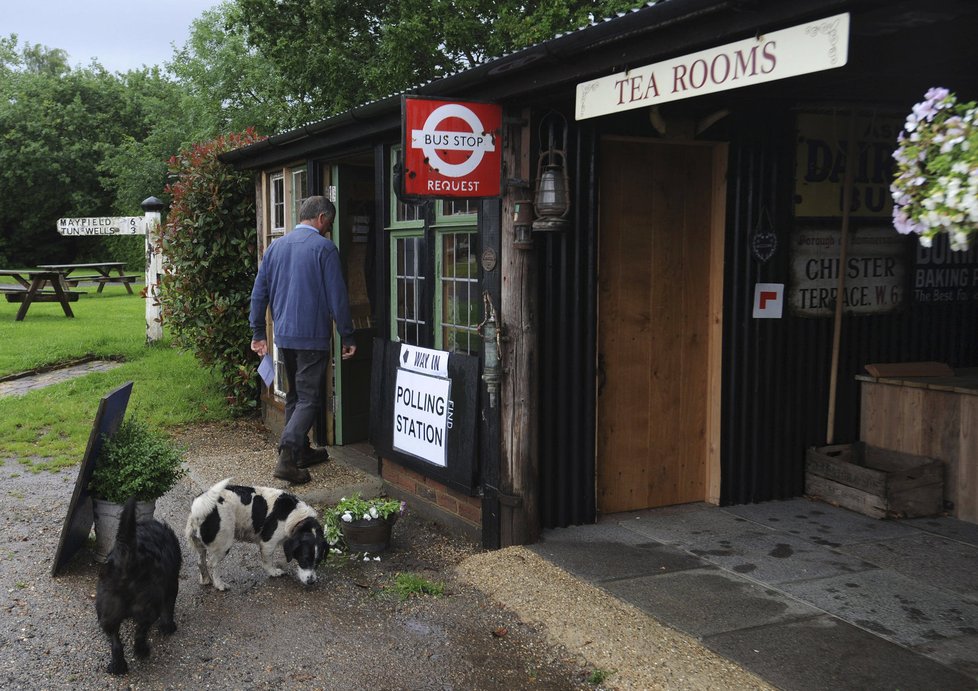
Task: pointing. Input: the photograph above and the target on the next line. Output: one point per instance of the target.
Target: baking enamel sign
(451, 148)
(422, 407)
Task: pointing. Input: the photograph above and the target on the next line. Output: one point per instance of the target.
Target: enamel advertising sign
(451, 148)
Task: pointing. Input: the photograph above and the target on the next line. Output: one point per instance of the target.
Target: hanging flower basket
(936, 185)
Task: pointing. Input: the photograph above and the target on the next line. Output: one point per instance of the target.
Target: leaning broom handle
(841, 278)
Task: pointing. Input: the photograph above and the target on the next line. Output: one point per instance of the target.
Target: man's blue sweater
(300, 276)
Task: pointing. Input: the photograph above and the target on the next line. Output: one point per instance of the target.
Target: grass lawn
(49, 428)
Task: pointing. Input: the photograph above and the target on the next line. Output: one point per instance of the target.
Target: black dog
(139, 582)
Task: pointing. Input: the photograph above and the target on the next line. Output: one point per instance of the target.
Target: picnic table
(103, 273)
(30, 288)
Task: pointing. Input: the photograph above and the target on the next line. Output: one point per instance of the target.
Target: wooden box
(875, 482)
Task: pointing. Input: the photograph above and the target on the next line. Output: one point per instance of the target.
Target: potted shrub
(362, 525)
(136, 461)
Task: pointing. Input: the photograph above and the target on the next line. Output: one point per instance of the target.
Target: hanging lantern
(552, 198)
(522, 223)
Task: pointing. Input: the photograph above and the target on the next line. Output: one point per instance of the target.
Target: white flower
(935, 188)
(366, 516)
(346, 517)
(373, 512)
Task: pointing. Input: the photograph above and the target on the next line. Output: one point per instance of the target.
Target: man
(300, 277)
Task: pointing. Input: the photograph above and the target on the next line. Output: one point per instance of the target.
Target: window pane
(459, 207)
(299, 193)
(410, 290)
(278, 203)
(461, 310)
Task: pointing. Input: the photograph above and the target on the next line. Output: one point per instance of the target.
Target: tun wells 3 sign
(451, 148)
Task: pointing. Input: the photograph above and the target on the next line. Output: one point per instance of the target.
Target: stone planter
(368, 536)
(107, 515)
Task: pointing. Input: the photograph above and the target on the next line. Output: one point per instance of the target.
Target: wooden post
(519, 416)
(841, 278)
(154, 265)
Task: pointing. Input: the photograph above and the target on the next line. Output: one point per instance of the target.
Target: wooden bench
(19, 293)
(73, 281)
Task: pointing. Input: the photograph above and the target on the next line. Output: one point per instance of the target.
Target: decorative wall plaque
(488, 259)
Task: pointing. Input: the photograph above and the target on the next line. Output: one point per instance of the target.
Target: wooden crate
(875, 482)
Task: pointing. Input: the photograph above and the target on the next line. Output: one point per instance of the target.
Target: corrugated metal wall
(776, 372)
(567, 340)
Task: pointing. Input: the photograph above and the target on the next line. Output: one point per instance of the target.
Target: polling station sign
(424, 409)
(451, 148)
(422, 415)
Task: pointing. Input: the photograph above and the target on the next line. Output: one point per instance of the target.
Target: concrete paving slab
(779, 558)
(891, 605)
(822, 653)
(823, 524)
(596, 532)
(959, 653)
(706, 528)
(708, 601)
(19, 386)
(606, 559)
(948, 527)
(926, 558)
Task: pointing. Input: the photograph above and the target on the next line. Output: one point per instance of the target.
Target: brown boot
(309, 457)
(288, 470)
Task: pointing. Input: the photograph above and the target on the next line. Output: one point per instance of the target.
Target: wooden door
(659, 278)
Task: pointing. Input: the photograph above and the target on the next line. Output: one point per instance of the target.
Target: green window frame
(408, 285)
(458, 304)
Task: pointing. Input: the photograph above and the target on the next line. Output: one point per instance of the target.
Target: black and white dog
(278, 522)
(140, 580)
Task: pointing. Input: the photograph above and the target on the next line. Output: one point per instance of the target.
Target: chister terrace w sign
(451, 148)
(812, 47)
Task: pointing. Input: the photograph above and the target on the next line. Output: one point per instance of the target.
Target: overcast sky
(120, 34)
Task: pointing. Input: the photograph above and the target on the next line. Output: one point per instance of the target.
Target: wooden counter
(929, 416)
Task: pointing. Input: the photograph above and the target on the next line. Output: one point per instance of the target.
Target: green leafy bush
(209, 263)
(136, 461)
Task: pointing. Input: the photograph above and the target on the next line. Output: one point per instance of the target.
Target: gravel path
(509, 620)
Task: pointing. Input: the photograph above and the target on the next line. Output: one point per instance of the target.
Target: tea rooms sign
(802, 49)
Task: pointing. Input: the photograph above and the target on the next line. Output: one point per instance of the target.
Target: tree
(57, 125)
(337, 54)
(79, 142)
(209, 248)
(228, 84)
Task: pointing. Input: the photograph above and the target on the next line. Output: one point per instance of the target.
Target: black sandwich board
(78, 522)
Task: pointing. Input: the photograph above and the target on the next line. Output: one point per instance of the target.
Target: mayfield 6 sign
(451, 148)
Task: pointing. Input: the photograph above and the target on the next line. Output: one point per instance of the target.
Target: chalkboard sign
(78, 522)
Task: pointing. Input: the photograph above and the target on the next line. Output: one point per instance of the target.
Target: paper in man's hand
(267, 370)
